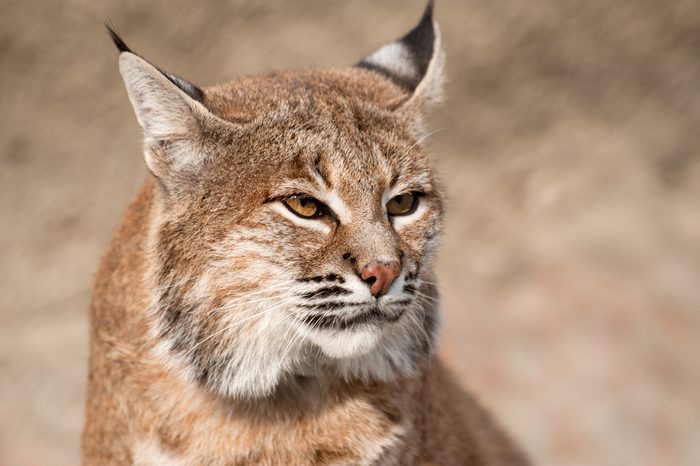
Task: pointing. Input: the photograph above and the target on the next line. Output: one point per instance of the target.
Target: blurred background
(569, 142)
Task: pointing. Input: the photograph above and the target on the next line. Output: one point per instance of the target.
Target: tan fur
(204, 348)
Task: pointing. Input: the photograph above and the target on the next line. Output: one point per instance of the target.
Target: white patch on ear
(397, 58)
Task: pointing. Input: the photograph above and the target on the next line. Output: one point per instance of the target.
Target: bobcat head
(294, 218)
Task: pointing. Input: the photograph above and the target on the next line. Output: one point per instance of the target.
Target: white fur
(397, 58)
(360, 290)
(353, 348)
(332, 200)
(340, 344)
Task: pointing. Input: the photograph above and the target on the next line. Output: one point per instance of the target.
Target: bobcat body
(269, 297)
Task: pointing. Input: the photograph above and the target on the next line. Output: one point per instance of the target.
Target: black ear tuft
(184, 85)
(421, 40)
(121, 45)
(406, 60)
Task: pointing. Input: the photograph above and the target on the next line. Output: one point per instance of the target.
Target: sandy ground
(570, 145)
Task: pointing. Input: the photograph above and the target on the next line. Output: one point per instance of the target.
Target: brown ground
(570, 143)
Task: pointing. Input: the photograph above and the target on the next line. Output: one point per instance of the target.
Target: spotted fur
(226, 329)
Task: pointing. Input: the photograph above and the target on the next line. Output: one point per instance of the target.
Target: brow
(421, 182)
(297, 186)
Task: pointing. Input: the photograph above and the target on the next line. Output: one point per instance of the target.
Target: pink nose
(380, 275)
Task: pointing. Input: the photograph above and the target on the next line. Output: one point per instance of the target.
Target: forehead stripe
(320, 175)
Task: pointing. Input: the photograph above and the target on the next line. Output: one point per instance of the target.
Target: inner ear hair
(172, 114)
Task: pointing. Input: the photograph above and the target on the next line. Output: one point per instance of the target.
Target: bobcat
(269, 297)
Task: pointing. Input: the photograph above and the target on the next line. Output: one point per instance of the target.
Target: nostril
(380, 275)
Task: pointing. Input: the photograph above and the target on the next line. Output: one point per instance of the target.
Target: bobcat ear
(162, 108)
(170, 111)
(415, 61)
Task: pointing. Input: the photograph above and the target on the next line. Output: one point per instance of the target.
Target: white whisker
(233, 325)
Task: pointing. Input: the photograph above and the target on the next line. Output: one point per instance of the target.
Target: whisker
(422, 295)
(294, 339)
(426, 282)
(299, 337)
(231, 326)
(421, 327)
(242, 302)
(423, 138)
(236, 304)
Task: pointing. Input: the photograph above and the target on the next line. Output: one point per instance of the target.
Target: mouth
(365, 315)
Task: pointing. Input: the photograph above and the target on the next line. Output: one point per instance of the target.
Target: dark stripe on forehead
(319, 169)
(394, 179)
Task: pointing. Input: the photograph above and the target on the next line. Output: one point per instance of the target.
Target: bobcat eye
(305, 207)
(403, 204)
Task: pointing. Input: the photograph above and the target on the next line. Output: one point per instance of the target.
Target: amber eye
(305, 207)
(403, 204)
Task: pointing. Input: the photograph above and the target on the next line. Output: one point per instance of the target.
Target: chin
(350, 343)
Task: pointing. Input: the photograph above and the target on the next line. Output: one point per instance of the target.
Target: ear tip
(423, 36)
(429, 8)
(427, 21)
(118, 41)
(407, 60)
(133, 67)
(426, 31)
(427, 18)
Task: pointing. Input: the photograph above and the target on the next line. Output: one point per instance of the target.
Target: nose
(380, 275)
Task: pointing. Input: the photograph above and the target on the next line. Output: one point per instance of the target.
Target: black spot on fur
(372, 317)
(326, 292)
(320, 321)
(330, 305)
(331, 277)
